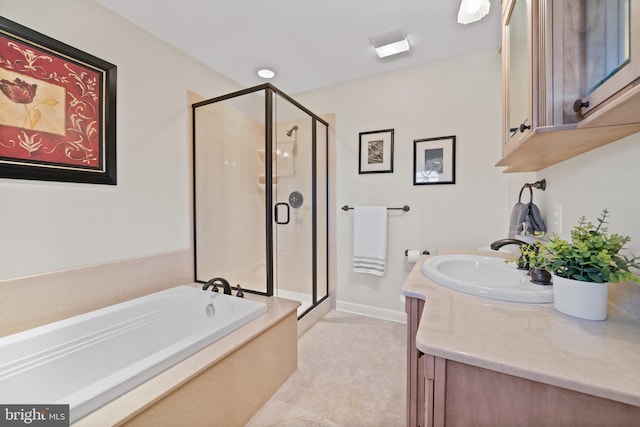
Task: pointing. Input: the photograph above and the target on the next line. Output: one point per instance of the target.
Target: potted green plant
(583, 267)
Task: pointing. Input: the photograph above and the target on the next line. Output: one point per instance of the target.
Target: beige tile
(351, 372)
(279, 414)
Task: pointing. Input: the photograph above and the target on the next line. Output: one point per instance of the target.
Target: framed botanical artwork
(375, 154)
(57, 110)
(434, 160)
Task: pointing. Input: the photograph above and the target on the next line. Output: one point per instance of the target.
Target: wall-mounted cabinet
(571, 78)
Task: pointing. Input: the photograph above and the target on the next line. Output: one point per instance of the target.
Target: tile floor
(351, 373)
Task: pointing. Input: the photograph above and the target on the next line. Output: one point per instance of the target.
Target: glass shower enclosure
(260, 162)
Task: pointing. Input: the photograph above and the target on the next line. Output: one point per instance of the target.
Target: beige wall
(103, 244)
(606, 177)
(49, 226)
(458, 96)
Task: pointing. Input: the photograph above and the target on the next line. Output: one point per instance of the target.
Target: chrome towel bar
(404, 208)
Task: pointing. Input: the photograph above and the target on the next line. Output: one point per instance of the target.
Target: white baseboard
(367, 310)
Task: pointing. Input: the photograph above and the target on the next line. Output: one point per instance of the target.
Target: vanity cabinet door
(465, 395)
(518, 72)
(435, 390)
(415, 370)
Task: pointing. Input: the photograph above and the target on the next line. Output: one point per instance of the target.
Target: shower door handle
(276, 210)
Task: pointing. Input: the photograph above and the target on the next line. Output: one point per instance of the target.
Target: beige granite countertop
(532, 341)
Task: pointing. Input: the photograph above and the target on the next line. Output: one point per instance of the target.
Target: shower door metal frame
(270, 90)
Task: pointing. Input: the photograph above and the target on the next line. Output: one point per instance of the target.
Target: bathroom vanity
(483, 362)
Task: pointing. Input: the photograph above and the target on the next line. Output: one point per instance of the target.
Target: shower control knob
(296, 199)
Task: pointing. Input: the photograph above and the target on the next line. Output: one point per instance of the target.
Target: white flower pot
(585, 300)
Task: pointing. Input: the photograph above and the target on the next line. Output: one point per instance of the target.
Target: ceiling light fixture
(266, 73)
(390, 42)
(472, 10)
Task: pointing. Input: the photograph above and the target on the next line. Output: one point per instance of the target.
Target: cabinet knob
(577, 106)
(524, 127)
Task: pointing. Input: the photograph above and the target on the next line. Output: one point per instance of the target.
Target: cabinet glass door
(518, 71)
(612, 48)
(607, 40)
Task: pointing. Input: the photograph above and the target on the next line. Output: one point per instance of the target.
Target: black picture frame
(375, 151)
(58, 106)
(434, 160)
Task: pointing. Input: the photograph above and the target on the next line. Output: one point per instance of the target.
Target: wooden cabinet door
(415, 371)
(480, 397)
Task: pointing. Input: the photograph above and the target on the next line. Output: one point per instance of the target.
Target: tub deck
(229, 380)
(88, 360)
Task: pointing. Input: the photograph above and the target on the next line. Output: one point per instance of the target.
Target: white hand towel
(370, 240)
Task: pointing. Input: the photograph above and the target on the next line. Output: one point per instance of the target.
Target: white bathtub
(88, 360)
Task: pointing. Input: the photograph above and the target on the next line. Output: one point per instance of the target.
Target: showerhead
(290, 131)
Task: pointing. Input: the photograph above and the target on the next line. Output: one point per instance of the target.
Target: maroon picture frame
(57, 110)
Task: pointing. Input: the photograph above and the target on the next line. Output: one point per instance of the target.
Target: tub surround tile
(531, 341)
(33, 301)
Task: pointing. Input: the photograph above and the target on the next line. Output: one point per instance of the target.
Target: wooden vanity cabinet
(458, 394)
(415, 367)
(442, 392)
(560, 96)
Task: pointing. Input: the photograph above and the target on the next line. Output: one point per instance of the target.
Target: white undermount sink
(485, 276)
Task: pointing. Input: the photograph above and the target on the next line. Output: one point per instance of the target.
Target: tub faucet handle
(218, 281)
(208, 284)
(239, 294)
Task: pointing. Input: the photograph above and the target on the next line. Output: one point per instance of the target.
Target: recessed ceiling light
(266, 73)
(390, 42)
(472, 10)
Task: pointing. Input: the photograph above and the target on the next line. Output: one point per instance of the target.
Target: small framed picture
(376, 151)
(434, 160)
